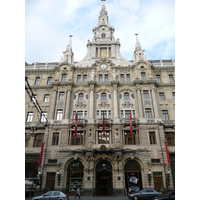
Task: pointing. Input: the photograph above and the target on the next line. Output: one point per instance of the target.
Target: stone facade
(102, 83)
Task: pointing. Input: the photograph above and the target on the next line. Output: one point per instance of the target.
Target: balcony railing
(168, 122)
(80, 122)
(106, 121)
(127, 120)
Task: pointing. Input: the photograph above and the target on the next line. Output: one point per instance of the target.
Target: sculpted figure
(114, 75)
(92, 75)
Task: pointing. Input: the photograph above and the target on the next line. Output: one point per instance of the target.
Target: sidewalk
(91, 198)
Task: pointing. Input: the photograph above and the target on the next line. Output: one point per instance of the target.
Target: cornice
(41, 86)
(166, 84)
(39, 71)
(168, 69)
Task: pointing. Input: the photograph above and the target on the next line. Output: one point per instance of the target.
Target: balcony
(106, 121)
(81, 122)
(126, 121)
(168, 123)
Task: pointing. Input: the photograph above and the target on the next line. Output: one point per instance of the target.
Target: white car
(53, 195)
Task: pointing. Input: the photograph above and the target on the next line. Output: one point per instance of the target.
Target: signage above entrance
(105, 146)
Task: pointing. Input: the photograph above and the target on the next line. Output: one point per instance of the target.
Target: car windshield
(47, 194)
(170, 194)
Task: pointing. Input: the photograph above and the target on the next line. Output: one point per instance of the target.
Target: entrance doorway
(158, 182)
(50, 182)
(104, 185)
(133, 179)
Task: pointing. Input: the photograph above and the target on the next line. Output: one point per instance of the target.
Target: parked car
(53, 195)
(170, 196)
(146, 194)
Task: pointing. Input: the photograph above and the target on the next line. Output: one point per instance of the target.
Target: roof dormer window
(103, 35)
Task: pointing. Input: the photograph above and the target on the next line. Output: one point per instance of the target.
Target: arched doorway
(75, 177)
(104, 185)
(133, 178)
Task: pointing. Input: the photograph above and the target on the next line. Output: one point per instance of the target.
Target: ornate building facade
(103, 83)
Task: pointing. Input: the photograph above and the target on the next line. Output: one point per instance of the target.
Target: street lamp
(39, 177)
(58, 177)
(168, 179)
(149, 177)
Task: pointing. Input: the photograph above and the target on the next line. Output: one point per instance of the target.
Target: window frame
(161, 96)
(64, 77)
(126, 96)
(37, 81)
(143, 76)
(103, 96)
(173, 95)
(152, 138)
(78, 78)
(55, 138)
(49, 80)
(171, 78)
(148, 113)
(146, 94)
(79, 137)
(39, 137)
(101, 136)
(106, 78)
(42, 118)
(100, 78)
(46, 97)
(29, 117)
(128, 137)
(158, 78)
(128, 78)
(61, 95)
(121, 77)
(171, 136)
(85, 78)
(165, 115)
(59, 115)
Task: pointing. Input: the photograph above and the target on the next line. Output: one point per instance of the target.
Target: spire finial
(103, 1)
(70, 41)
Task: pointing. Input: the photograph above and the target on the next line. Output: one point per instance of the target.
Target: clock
(103, 66)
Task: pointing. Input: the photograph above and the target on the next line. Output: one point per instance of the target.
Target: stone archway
(133, 178)
(104, 183)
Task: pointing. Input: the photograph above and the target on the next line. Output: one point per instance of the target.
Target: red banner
(76, 124)
(41, 154)
(131, 125)
(103, 123)
(167, 152)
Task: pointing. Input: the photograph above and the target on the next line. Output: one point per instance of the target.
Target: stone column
(53, 103)
(98, 51)
(155, 105)
(107, 51)
(67, 108)
(70, 137)
(140, 103)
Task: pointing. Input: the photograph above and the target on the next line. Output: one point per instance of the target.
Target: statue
(114, 75)
(92, 75)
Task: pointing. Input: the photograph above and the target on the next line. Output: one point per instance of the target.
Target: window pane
(122, 77)
(100, 78)
(78, 78)
(128, 77)
(85, 78)
(106, 77)
(64, 77)
(49, 80)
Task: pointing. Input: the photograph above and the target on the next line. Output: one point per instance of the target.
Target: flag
(41, 154)
(167, 152)
(76, 124)
(131, 131)
(103, 131)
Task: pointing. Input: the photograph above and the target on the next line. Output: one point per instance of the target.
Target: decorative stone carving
(80, 104)
(114, 75)
(127, 104)
(103, 104)
(92, 75)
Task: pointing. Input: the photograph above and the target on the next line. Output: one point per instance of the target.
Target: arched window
(81, 97)
(103, 96)
(126, 96)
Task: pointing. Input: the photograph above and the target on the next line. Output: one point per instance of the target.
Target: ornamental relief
(127, 104)
(80, 104)
(103, 104)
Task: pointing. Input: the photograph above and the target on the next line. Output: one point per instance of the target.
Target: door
(50, 182)
(158, 184)
(104, 184)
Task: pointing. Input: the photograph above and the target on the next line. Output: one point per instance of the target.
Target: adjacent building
(103, 83)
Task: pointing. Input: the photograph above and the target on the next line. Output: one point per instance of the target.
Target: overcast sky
(48, 24)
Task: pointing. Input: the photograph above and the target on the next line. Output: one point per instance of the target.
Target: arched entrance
(75, 177)
(133, 178)
(104, 185)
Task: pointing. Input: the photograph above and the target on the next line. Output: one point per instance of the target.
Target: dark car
(170, 196)
(53, 195)
(146, 194)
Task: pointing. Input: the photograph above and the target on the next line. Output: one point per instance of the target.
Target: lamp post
(58, 177)
(168, 179)
(149, 177)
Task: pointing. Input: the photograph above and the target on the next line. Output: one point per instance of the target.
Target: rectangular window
(127, 114)
(122, 77)
(34, 98)
(145, 94)
(171, 79)
(170, 138)
(155, 160)
(74, 113)
(85, 78)
(49, 81)
(148, 113)
(103, 96)
(106, 78)
(80, 114)
(29, 117)
(143, 76)
(109, 114)
(64, 77)
(122, 114)
(46, 97)
(158, 78)
(55, 139)
(78, 140)
(173, 94)
(97, 114)
(126, 96)
(152, 137)
(133, 113)
(165, 115)
(129, 140)
(78, 78)
(37, 81)
(38, 140)
(161, 96)
(59, 114)
(128, 78)
(85, 115)
(43, 117)
(103, 138)
(61, 95)
(100, 78)
(81, 97)
(104, 112)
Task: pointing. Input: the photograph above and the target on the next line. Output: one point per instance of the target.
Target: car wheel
(135, 198)
(155, 198)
